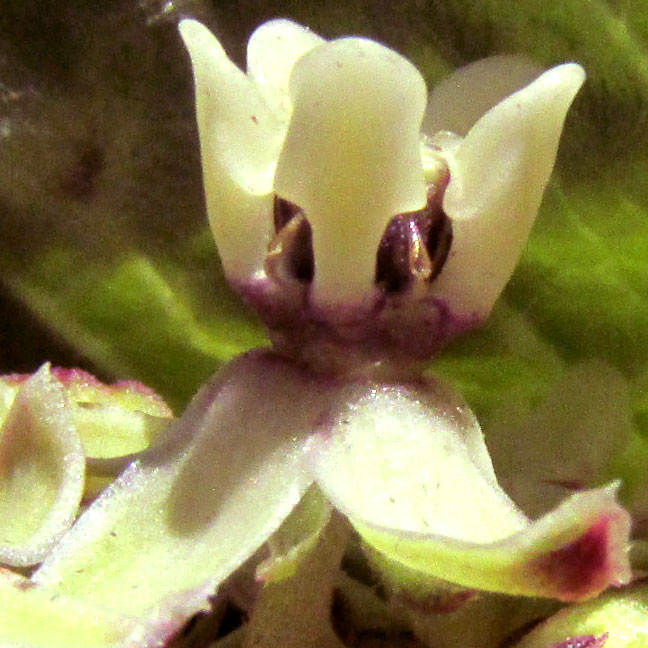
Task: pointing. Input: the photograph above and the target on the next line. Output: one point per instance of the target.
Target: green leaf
(138, 318)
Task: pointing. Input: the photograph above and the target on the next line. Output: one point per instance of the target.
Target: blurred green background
(105, 259)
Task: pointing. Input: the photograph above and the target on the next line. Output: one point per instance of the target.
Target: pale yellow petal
(240, 139)
(352, 157)
(458, 102)
(497, 178)
(272, 51)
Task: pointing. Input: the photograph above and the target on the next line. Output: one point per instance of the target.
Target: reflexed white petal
(351, 157)
(41, 471)
(180, 521)
(498, 176)
(272, 51)
(413, 460)
(240, 140)
(408, 466)
(462, 98)
(571, 554)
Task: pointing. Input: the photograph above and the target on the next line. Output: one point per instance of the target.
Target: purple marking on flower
(396, 326)
(569, 484)
(323, 423)
(581, 568)
(82, 386)
(452, 325)
(586, 641)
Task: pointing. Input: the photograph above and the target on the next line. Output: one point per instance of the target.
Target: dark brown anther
(392, 260)
(438, 240)
(284, 212)
(290, 254)
(415, 246)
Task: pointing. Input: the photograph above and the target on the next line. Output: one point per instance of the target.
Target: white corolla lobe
(354, 232)
(338, 130)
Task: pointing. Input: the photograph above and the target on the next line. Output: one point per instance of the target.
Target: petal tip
(498, 177)
(593, 561)
(195, 34)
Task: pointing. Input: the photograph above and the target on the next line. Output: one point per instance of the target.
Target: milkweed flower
(364, 243)
(342, 209)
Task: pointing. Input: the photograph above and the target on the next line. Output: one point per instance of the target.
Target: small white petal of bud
(457, 102)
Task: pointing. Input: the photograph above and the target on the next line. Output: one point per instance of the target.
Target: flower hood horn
(328, 202)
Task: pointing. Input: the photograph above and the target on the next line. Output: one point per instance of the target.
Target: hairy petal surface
(498, 176)
(32, 616)
(412, 459)
(410, 469)
(240, 138)
(188, 514)
(352, 157)
(573, 553)
(42, 470)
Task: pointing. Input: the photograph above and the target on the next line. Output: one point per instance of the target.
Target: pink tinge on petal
(436, 602)
(82, 386)
(63, 374)
(588, 641)
(569, 484)
(166, 620)
(15, 378)
(74, 376)
(587, 566)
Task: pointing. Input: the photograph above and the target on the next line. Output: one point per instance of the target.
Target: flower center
(413, 248)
